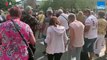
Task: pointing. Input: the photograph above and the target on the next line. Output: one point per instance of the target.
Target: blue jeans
(89, 45)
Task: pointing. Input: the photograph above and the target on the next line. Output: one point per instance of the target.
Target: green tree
(72, 4)
(30, 3)
(10, 3)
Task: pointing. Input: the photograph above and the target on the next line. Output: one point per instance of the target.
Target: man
(76, 37)
(102, 28)
(106, 34)
(29, 19)
(63, 18)
(49, 15)
(91, 24)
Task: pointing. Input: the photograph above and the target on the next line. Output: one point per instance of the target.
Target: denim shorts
(89, 45)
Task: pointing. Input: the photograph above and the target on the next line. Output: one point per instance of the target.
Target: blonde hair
(80, 16)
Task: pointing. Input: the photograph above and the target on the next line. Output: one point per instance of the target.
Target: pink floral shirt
(12, 46)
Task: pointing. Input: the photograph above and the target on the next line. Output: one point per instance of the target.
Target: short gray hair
(72, 16)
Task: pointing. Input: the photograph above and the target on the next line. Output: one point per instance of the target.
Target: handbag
(30, 52)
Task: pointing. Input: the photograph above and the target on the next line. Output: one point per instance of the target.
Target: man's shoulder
(76, 22)
(102, 21)
(80, 22)
(65, 15)
(91, 17)
(72, 24)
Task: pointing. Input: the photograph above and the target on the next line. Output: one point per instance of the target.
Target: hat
(60, 10)
(28, 8)
(41, 12)
(50, 9)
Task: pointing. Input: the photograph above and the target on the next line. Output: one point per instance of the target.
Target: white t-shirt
(93, 23)
(63, 20)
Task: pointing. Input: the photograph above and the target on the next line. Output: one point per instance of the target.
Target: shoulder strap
(31, 52)
(64, 17)
(19, 32)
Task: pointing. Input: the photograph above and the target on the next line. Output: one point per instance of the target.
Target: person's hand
(70, 47)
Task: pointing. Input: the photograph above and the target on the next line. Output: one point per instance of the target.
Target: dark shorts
(89, 45)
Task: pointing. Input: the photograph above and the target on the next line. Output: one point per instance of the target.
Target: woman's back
(12, 46)
(56, 37)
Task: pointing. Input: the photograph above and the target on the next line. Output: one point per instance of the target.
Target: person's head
(80, 16)
(92, 12)
(49, 13)
(87, 12)
(80, 13)
(54, 21)
(60, 11)
(65, 11)
(101, 14)
(28, 10)
(40, 12)
(15, 12)
(71, 17)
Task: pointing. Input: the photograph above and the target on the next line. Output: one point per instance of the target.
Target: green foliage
(10, 4)
(71, 4)
(45, 5)
(2, 4)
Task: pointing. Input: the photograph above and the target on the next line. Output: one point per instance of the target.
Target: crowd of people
(82, 34)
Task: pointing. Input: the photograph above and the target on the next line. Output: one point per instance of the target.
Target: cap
(60, 10)
(50, 9)
(28, 8)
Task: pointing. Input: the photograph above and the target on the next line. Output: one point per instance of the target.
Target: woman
(56, 40)
(81, 17)
(12, 45)
(41, 18)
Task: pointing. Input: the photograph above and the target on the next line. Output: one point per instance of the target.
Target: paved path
(40, 56)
